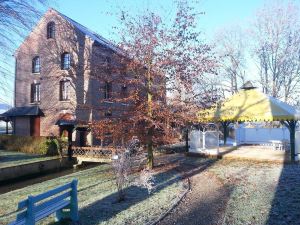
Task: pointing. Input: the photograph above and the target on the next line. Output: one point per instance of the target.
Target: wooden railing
(94, 152)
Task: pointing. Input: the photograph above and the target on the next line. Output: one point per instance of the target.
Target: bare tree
(276, 35)
(16, 19)
(230, 43)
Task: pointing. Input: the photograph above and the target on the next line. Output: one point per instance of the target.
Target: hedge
(28, 144)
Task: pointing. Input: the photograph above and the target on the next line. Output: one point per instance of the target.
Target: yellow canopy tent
(249, 104)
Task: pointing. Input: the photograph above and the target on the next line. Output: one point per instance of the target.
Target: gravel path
(204, 204)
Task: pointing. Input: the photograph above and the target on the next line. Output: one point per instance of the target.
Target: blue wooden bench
(61, 200)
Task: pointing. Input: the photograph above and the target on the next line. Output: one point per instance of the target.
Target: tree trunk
(187, 140)
(150, 160)
(225, 131)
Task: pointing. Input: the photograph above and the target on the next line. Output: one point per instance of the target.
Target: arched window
(64, 90)
(36, 65)
(65, 61)
(35, 92)
(50, 30)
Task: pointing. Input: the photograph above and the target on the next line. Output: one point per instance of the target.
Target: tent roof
(249, 105)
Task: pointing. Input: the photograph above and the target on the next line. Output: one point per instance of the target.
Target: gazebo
(251, 105)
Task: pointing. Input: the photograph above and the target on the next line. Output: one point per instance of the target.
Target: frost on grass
(261, 193)
(145, 180)
(123, 165)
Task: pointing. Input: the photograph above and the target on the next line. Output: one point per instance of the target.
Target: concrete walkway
(257, 153)
(250, 152)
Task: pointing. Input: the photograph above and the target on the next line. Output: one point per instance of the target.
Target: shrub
(28, 144)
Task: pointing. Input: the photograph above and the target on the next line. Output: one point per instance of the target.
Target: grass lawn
(11, 158)
(261, 193)
(97, 197)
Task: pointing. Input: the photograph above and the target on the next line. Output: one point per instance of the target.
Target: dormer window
(50, 30)
(36, 65)
(65, 61)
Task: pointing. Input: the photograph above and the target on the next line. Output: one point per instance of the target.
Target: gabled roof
(23, 111)
(94, 36)
(248, 85)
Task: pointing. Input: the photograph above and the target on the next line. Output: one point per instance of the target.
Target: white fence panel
(211, 139)
(261, 135)
(194, 140)
(203, 141)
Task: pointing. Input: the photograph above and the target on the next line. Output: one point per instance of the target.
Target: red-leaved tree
(158, 74)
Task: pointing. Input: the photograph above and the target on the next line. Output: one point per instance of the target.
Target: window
(107, 60)
(50, 30)
(124, 91)
(35, 93)
(36, 65)
(108, 113)
(65, 61)
(107, 90)
(64, 90)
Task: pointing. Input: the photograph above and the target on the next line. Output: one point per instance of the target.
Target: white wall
(261, 135)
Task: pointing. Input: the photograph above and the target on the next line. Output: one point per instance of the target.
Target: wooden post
(30, 220)
(74, 202)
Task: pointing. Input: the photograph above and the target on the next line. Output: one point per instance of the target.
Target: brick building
(57, 85)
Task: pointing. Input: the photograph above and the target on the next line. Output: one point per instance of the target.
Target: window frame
(108, 113)
(51, 30)
(65, 61)
(64, 90)
(36, 65)
(107, 90)
(124, 91)
(35, 93)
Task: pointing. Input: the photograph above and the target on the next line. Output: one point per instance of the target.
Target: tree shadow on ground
(108, 207)
(285, 208)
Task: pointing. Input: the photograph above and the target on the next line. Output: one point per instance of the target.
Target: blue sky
(218, 13)
(93, 14)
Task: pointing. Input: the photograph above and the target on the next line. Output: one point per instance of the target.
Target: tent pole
(6, 127)
(291, 125)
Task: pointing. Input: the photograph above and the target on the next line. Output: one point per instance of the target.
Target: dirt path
(204, 204)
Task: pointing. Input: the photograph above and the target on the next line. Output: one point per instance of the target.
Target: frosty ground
(221, 192)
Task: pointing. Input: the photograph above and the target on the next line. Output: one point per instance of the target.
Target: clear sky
(218, 13)
(93, 14)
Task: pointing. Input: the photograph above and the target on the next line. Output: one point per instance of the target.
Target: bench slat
(55, 191)
(52, 201)
(22, 204)
(52, 209)
(62, 199)
(18, 222)
(21, 215)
